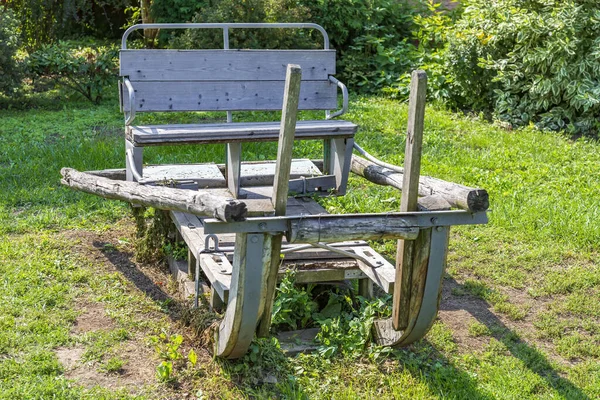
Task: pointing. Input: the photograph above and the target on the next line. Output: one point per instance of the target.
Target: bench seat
(153, 135)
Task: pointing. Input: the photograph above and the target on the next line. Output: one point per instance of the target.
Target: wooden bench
(229, 80)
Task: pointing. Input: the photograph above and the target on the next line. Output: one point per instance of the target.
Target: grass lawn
(82, 317)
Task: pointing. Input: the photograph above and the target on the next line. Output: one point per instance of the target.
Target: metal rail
(226, 27)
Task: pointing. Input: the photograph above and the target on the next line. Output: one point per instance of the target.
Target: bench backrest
(225, 80)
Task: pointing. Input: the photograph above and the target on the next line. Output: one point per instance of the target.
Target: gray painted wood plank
(148, 135)
(211, 65)
(227, 96)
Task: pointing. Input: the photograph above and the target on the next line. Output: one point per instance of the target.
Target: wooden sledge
(242, 228)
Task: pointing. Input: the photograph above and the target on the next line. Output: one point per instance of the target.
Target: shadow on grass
(531, 357)
(124, 264)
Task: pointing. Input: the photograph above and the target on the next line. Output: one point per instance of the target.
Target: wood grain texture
(458, 196)
(232, 65)
(331, 229)
(149, 135)
(406, 260)
(227, 96)
(198, 203)
(287, 131)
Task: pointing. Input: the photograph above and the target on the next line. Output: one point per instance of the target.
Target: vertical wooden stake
(405, 256)
(281, 183)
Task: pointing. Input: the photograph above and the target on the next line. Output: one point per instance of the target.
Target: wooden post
(281, 184)
(233, 168)
(407, 252)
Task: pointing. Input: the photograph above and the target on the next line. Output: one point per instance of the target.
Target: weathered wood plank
(227, 96)
(331, 229)
(198, 203)
(236, 132)
(456, 195)
(211, 65)
(406, 263)
(281, 185)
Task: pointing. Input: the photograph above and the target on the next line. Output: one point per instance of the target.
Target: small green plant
(177, 250)
(192, 357)
(293, 306)
(164, 371)
(345, 328)
(113, 365)
(167, 346)
(167, 349)
(477, 329)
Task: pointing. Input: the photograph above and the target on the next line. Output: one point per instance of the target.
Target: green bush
(85, 70)
(528, 61)
(248, 11)
(371, 37)
(10, 73)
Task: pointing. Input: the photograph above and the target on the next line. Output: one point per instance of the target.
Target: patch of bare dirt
(92, 318)
(458, 312)
(137, 371)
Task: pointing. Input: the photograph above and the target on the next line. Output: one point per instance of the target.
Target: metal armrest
(129, 116)
(344, 99)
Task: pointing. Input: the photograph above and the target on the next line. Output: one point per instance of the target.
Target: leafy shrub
(371, 37)
(431, 31)
(345, 328)
(85, 70)
(528, 61)
(10, 74)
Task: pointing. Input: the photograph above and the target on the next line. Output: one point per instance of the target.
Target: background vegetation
(518, 61)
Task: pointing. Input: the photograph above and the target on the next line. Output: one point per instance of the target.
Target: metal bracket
(207, 249)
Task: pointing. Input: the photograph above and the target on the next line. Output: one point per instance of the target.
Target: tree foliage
(44, 21)
(10, 73)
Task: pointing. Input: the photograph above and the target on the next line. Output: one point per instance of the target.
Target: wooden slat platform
(312, 264)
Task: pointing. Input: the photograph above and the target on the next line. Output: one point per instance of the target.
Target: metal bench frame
(337, 150)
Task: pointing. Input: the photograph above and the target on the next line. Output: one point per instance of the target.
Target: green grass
(535, 265)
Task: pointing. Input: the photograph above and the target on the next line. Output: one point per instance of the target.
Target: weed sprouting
(293, 307)
(167, 346)
(177, 250)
